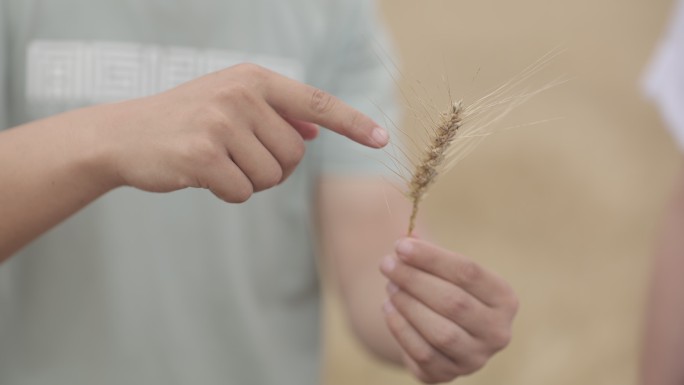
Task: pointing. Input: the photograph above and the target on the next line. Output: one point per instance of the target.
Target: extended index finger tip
(380, 136)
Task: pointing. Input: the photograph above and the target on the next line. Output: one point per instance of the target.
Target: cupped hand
(448, 314)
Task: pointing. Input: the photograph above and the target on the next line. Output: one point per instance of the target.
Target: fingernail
(380, 136)
(404, 246)
(387, 306)
(388, 263)
(392, 288)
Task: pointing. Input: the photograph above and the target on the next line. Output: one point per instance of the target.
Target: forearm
(359, 228)
(49, 169)
(364, 303)
(234, 132)
(663, 354)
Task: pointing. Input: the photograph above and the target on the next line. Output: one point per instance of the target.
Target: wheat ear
(426, 170)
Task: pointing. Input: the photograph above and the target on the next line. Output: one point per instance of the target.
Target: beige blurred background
(568, 210)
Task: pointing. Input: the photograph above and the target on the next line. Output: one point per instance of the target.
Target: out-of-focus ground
(568, 210)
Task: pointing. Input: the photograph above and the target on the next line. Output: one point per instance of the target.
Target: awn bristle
(426, 171)
(462, 127)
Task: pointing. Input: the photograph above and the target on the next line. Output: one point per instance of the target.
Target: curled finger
(441, 296)
(431, 365)
(464, 352)
(255, 160)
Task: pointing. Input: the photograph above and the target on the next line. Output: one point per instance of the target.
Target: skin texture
(233, 132)
(664, 337)
(436, 312)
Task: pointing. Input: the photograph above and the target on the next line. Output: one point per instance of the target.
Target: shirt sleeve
(664, 83)
(359, 69)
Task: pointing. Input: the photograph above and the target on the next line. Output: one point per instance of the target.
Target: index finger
(481, 283)
(303, 102)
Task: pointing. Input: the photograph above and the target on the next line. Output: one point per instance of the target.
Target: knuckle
(424, 356)
(322, 102)
(499, 339)
(513, 302)
(203, 152)
(508, 301)
(475, 363)
(212, 120)
(356, 119)
(412, 259)
(276, 176)
(236, 93)
(271, 177)
(251, 69)
(189, 181)
(241, 193)
(457, 305)
(446, 337)
(238, 192)
(470, 272)
(294, 154)
(298, 150)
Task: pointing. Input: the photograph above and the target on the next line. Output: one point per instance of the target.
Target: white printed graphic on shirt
(91, 72)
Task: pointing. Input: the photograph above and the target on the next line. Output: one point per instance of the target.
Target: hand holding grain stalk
(448, 314)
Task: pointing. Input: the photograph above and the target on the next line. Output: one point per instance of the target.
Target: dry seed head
(461, 128)
(427, 169)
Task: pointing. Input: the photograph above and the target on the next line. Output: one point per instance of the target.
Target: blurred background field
(567, 211)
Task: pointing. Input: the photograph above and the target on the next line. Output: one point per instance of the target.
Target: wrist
(94, 153)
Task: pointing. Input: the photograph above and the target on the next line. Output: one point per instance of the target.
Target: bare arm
(234, 132)
(49, 169)
(663, 354)
(436, 312)
(357, 230)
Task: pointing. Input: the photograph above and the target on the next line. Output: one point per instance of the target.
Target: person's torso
(143, 288)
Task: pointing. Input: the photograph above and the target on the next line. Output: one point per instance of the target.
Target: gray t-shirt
(179, 288)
